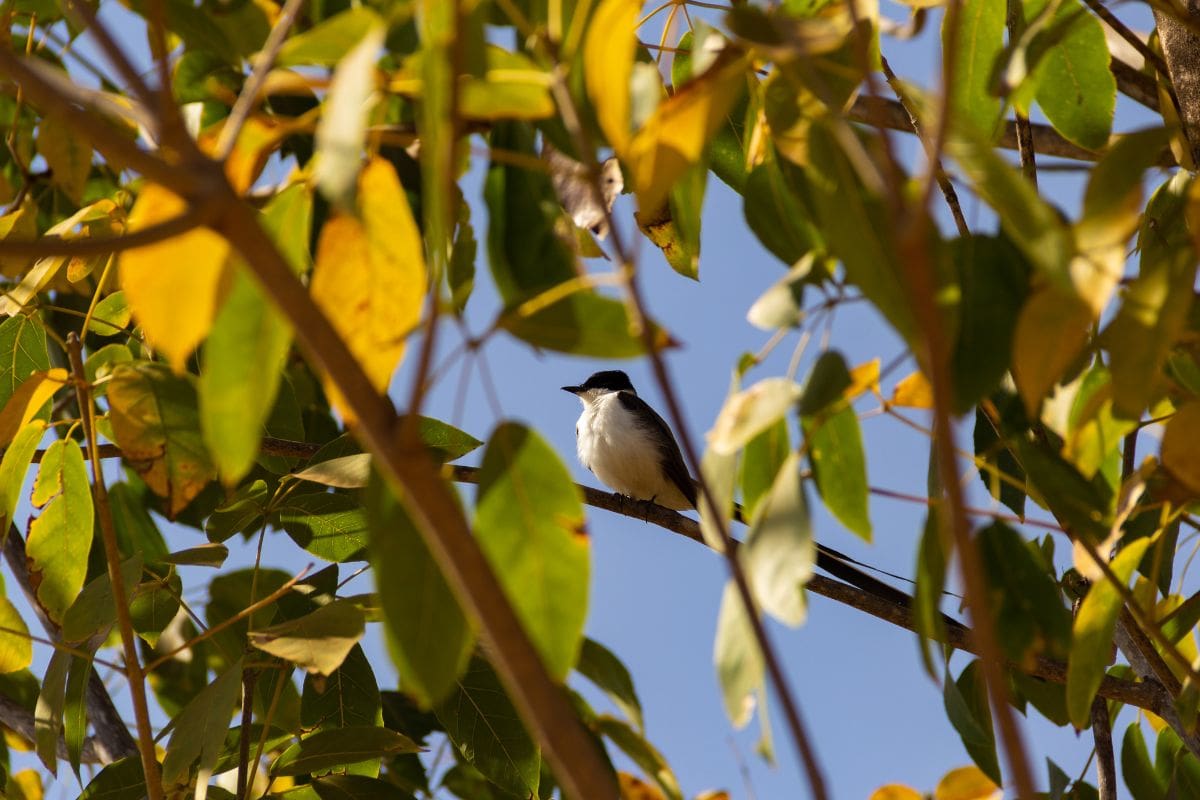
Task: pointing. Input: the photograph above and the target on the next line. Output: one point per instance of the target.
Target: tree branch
(1106, 765)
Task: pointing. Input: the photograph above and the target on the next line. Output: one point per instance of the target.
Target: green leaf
(980, 39)
(1030, 222)
(242, 513)
(485, 728)
(1030, 617)
(1137, 769)
(199, 731)
(48, 715)
(111, 315)
(13, 466)
(1083, 505)
(600, 666)
(761, 462)
(529, 522)
(94, 610)
(247, 349)
(1075, 88)
(75, 710)
(927, 592)
(120, 780)
(780, 551)
(317, 642)
(512, 86)
(1155, 305)
(1093, 633)
(583, 323)
(346, 698)
(994, 452)
(100, 364)
(330, 526)
(357, 787)
(155, 603)
(993, 281)
(967, 709)
(60, 538)
(429, 636)
(739, 662)
(327, 42)
(22, 352)
(750, 412)
(834, 444)
(644, 754)
(157, 426)
(332, 748)
(525, 253)
(855, 224)
(778, 211)
(202, 555)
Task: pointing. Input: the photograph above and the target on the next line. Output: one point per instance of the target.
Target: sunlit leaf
(14, 464)
(60, 537)
(966, 783)
(16, 648)
(27, 401)
(347, 697)
(370, 275)
(330, 526)
(750, 412)
(429, 636)
(608, 53)
(529, 522)
(979, 40)
(337, 746)
(317, 642)
(764, 457)
(834, 444)
(156, 424)
(644, 754)
(1180, 456)
(93, 610)
(22, 352)
(1093, 633)
(779, 551)
(512, 87)
(247, 348)
(1052, 328)
(68, 154)
(155, 277)
(739, 661)
(584, 323)
(343, 126)
(327, 42)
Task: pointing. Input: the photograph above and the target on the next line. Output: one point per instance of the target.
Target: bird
(630, 448)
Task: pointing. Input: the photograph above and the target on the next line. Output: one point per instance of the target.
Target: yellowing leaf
(27, 400)
(894, 791)
(68, 153)
(966, 783)
(59, 539)
(863, 378)
(634, 788)
(258, 138)
(370, 276)
(675, 136)
(1052, 328)
(608, 55)
(25, 785)
(913, 391)
(1180, 455)
(18, 225)
(175, 287)
(16, 648)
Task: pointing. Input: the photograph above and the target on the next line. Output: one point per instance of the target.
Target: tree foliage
(216, 253)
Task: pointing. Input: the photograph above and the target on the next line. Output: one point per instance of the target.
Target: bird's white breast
(622, 455)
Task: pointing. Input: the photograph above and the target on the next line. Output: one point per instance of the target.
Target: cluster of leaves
(223, 425)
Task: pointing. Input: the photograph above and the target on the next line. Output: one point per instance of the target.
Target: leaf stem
(136, 677)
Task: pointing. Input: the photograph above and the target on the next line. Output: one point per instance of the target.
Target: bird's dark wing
(670, 457)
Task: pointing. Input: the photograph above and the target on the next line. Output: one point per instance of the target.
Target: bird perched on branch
(631, 449)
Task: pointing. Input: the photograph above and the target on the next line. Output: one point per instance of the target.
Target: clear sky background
(874, 714)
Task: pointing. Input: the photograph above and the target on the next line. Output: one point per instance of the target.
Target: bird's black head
(613, 380)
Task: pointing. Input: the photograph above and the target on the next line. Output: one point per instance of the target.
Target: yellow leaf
(863, 378)
(608, 53)
(674, 137)
(27, 400)
(713, 795)
(634, 788)
(25, 785)
(18, 225)
(370, 276)
(1052, 329)
(16, 648)
(1180, 455)
(966, 783)
(17, 742)
(913, 391)
(257, 139)
(894, 791)
(174, 288)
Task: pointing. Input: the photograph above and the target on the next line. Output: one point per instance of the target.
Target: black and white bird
(631, 449)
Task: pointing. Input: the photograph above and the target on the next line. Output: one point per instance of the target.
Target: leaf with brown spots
(156, 424)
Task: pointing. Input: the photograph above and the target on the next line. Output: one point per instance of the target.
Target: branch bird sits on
(630, 448)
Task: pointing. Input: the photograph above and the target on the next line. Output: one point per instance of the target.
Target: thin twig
(1136, 42)
(135, 677)
(948, 191)
(49, 246)
(88, 21)
(227, 139)
(1106, 765)
(249, 677)
(1016, 28)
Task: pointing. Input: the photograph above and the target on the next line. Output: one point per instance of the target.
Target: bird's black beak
(573, 389)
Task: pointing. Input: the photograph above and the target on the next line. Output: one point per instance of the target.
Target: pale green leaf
(317, 642)
(739, 661)
(199, 731)
(335, 747)
(779, 551)
(61, 536)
